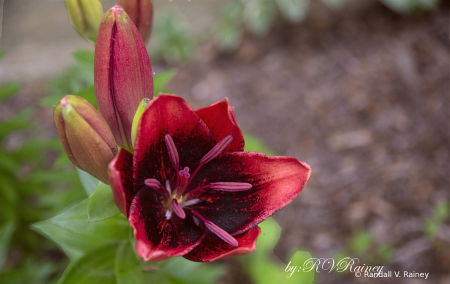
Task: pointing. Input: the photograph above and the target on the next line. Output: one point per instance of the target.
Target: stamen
(169, 189)
(217, 150)
(173, 153)
(221, 233)
(178, 210)
(230, 186)
(168, 214)
(152, 183)
(216, 230)
(190, 202)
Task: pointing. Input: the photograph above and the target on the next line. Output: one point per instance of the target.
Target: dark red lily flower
(189, 189)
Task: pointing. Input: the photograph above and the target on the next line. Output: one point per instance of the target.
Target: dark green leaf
(6, 232)
(101, 204)
(9, 89)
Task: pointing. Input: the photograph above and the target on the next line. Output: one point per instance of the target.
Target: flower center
(176, 202)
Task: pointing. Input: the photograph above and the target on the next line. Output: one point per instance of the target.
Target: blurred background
(359, 89)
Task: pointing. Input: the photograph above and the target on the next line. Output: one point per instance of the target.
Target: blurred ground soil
(363, 97)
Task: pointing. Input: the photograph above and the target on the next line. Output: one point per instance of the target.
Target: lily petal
(168, 114)
(120, 179)
(213, 248)
(156, 237)
(275, 181)
(221, 121)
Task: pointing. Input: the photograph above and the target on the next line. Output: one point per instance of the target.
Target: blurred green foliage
(258, 16)
(30, 190)
(441, 214)
(171, 37)
(363, 246)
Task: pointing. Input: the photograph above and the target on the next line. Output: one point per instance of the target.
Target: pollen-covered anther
(217, 150)
(152, 183)
(178, 210)
(230, 186)
(172, 150)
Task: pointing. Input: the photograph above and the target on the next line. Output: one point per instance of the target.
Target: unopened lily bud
(141, 12)
(85, 16)
(85, 136)
(137, 117)
(122, 73)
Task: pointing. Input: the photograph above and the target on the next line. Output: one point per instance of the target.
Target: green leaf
(160, 81)
(9, 89)
(301, 276)
(6, 232)
(270, 234)
(95, 267)
(89, 182)
(293, 10)
(259, 15)
(254, 144)
(101, 204)
(88, 93)
(85, 57)
(127, 267)
(361, 242)
(76, 236)
(182, 271)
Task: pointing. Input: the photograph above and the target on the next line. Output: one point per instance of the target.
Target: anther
(216, 230)
(178, 210)
(221, 233)
(152, 183)
(172, 150)
(217, 150)
(230, 186)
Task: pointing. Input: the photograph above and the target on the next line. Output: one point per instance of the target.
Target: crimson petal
(156, 237)
(168, 114)
(120, 179)
(275, 181)
(213, 248)
(221, 121)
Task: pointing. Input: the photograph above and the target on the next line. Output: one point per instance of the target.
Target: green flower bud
(85, 16)
(85, 136)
